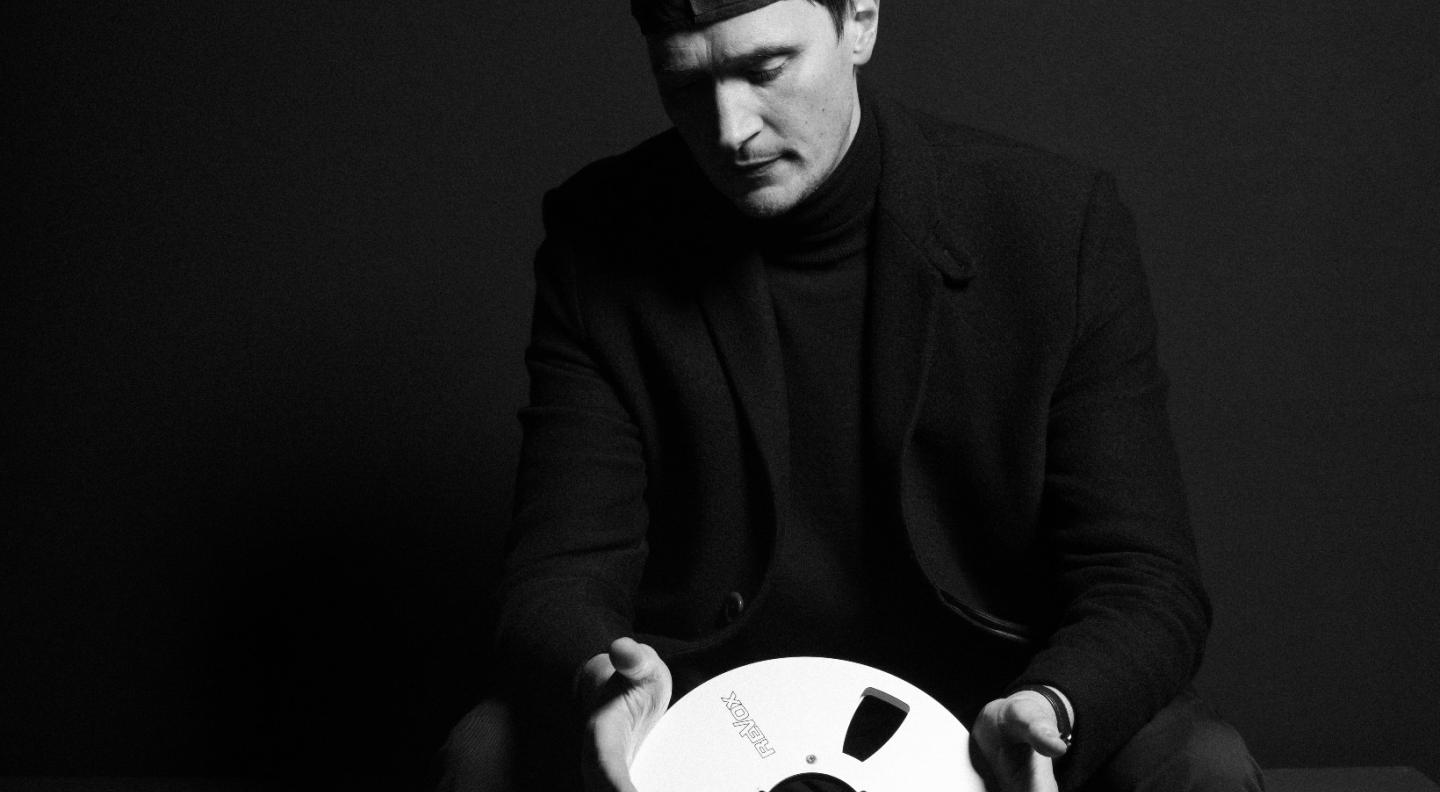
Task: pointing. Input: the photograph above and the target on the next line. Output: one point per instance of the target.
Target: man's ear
(865, 21)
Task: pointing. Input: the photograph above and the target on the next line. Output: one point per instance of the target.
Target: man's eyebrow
(740, 62)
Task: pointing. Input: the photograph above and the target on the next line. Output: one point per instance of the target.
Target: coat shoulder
(1002, 162)
(1019, 206)
(614, 192)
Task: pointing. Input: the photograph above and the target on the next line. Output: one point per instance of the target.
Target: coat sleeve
(1134, 615)
(577, 544)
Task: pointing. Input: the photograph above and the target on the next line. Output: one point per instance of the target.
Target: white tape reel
(756, 727)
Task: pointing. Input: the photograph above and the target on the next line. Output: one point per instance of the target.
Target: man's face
(766, 101)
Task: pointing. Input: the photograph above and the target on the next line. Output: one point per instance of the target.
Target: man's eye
(763, 76)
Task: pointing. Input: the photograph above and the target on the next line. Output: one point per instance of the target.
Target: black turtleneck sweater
(821, 600)
(842, 582)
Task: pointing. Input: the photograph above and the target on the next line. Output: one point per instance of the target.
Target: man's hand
(627, 691)
(1014, 742)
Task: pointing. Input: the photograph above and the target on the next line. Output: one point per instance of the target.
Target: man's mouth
(756, 167)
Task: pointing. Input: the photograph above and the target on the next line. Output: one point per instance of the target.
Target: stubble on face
(766, 102)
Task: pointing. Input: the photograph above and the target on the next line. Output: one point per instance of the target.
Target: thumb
(1045, 739)
(1039, 733)
(633, 660)
(1034, 726)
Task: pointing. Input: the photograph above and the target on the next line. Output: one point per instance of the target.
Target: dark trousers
(1186, 747)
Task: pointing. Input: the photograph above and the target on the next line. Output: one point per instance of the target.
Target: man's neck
(832, 220)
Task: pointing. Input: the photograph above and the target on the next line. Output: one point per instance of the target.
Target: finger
(1041, 734)
(1017, 768)
(634, 660)
(1045, 739)
(1032, 723)
(1041, 774)
(591, 678)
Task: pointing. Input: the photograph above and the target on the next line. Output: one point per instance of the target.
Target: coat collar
(911, 202)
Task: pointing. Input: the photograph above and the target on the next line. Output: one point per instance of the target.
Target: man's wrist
(1069, 708)
(1064, 711)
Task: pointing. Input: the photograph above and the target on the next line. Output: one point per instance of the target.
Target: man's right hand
(627, 690)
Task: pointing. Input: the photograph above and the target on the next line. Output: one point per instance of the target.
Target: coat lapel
(914, 258)
(708, 242)
(737, 306)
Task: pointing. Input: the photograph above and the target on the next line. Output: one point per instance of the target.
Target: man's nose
(736, 116)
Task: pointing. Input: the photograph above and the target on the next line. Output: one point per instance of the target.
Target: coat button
(733, 606)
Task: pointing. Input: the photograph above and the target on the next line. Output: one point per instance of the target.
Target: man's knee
(1216, 758)
(480, 753)
(1185, 747)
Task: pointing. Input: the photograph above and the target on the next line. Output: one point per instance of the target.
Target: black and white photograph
(720, 396)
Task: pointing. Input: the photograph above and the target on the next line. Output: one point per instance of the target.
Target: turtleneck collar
(832, 224)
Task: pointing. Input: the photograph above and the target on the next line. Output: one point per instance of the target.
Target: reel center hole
(812, 782)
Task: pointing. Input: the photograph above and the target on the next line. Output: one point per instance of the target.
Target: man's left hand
(1014, 742)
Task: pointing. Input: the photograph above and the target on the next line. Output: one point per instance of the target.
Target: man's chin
(764, 202)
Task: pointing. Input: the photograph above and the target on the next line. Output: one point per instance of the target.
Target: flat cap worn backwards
(667, 16)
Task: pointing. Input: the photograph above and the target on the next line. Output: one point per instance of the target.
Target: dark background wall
(266, 285)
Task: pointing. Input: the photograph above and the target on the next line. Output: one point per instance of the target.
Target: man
(813, 374)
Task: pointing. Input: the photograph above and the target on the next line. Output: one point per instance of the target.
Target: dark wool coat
(1016, 422)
